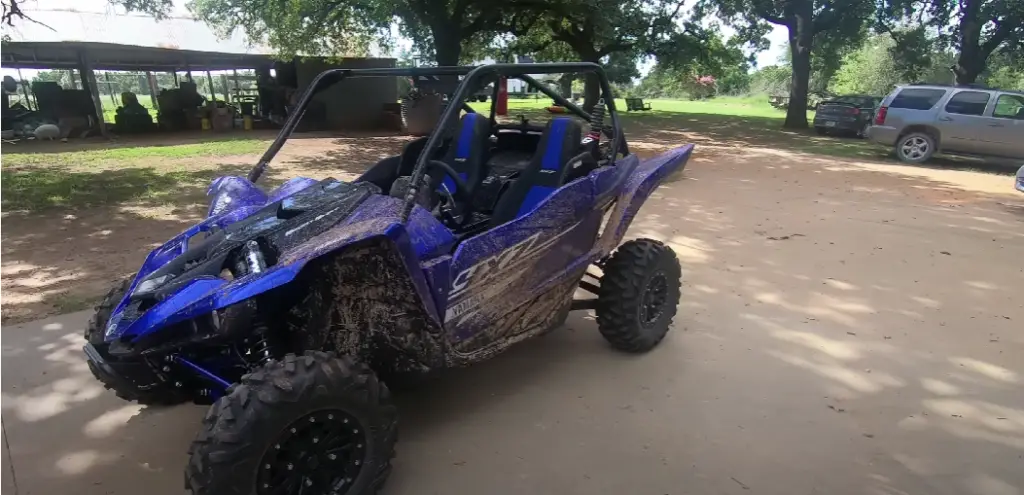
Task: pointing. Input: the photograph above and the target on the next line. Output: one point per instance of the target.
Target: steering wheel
(460, 196)
(461, 188)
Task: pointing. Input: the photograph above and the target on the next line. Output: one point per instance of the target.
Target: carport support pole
(110, 88)
(153, 90)
(213, 91)
(24, 90)
(89, 84)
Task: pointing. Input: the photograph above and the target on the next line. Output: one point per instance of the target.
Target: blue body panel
(421, 238)
(465, 287)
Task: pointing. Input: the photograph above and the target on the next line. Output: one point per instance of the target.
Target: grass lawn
(39, 180)
(740, 106)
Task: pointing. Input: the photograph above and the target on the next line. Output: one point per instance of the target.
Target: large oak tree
(806, 21)
(614, 32)
(975, 29)
(439, 28)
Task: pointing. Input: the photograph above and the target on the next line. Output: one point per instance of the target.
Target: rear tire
(821, 131)
(312, 420)
(94, 334)
(638, 295)
(916, 147)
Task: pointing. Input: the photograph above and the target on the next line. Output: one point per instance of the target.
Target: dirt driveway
(846, 329)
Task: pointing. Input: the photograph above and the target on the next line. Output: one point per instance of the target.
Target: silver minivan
(920, 120)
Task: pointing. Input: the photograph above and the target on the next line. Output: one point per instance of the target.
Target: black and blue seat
(546, 172)
(467, 155)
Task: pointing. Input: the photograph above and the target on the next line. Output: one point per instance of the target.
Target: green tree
(771, 80)
(440, 29)
(615, 32)
(974, 29)
(807, 21)
(1005, 70)
(869, 70)
(674, 77)
(12, 13)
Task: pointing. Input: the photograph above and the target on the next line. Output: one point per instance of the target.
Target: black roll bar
(517, 71)
(328, 78)
(472, 75)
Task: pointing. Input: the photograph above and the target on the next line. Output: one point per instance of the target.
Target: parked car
(850, 114)
(1020, 179)
(920, 120)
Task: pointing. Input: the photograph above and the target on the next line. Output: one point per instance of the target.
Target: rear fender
(642, 181)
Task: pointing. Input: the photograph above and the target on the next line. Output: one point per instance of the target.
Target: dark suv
(920, 120)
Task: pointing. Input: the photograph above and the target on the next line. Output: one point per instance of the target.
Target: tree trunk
(565, 85)
(969, 65)
(447, 50)
(970, 61)
(801, 37)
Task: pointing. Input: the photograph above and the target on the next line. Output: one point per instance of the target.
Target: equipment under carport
(132, 117)
(179, 107)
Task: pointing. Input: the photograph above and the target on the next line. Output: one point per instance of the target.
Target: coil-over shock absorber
(591, 142)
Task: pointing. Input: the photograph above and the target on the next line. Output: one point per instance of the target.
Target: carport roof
(112, 56)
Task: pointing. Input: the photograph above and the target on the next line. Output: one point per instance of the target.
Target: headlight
(112, 326)
(152, 284)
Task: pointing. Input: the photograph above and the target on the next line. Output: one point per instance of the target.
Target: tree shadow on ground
(346, 157)
(41, 188)
(873, 301)
(135, 140)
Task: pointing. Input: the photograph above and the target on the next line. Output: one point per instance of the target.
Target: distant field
(110, 106)
(740, 106)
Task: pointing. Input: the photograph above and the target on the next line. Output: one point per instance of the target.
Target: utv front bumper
(133, 376)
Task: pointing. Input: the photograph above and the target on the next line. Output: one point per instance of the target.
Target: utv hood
(175, 277)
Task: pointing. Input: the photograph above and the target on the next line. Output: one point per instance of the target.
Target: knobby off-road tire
(94, 332)
(638, 295)
(247, 440)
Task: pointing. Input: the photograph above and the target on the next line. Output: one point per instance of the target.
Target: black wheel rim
(320, 453)
(652, 304)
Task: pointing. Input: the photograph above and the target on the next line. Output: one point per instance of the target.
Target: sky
(98, 21)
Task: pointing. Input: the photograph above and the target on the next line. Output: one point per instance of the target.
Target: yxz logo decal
(501, 266)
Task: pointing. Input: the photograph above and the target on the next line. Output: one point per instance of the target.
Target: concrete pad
(841, 332)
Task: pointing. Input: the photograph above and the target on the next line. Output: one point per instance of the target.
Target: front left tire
(307, 424)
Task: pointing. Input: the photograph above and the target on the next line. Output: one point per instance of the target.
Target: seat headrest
(473, 128)
(560, 142)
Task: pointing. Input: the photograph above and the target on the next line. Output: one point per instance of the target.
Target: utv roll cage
(472, 77)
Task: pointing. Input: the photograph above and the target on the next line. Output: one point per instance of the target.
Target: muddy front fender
(376, 219)
(642, 179)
